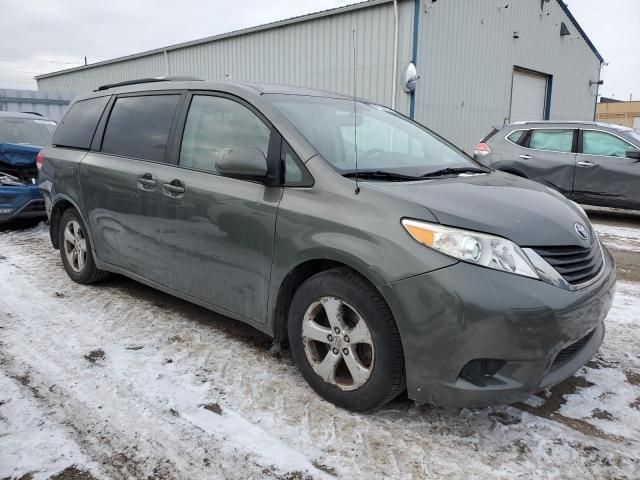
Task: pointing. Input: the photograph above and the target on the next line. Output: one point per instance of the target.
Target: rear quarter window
(79, 124)
(138, 127)
(516, 136)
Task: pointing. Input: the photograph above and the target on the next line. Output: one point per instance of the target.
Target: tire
(78, 262)
(368, 370)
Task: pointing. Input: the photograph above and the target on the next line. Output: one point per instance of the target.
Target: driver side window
(216, 123)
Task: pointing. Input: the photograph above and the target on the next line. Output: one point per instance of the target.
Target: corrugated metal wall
(316, 53)
(85, 80)
(466, 57)
(50, 104)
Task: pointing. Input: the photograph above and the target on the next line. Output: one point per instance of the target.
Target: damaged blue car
(21, 138)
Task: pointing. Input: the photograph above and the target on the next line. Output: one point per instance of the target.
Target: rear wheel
(75, 250)
(345, 341)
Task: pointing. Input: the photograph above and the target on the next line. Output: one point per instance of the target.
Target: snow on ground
(122, 381)
(618, 237)
(30, 441)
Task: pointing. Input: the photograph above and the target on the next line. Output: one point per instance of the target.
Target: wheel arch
(296, 276)
(59, 205)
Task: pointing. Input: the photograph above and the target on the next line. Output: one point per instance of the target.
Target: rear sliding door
(121, 183)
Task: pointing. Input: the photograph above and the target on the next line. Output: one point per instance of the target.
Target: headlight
(477, 248)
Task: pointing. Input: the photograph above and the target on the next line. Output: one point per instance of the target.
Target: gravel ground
(121, 381)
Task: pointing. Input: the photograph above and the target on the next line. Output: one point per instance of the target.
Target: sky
(39, 36)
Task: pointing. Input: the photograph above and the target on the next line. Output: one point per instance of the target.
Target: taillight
(481, 149)
(40, 160)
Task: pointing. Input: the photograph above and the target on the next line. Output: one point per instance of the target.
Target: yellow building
(620, 113)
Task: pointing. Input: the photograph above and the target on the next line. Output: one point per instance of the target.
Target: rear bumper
(18, 202)
(541, 334)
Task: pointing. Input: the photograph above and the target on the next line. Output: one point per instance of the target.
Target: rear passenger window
(216, 123)
(139, 127)
(79, 124)
(552, 140)
(603, 144)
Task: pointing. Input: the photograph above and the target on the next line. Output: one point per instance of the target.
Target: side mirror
(242, 162)
(634, 154)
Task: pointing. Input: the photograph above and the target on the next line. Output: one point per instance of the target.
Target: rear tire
(75, 250)
(345, 341)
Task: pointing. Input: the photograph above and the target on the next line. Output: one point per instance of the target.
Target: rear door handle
(526, 157)
(585, 164)
(174, 188)
(147, 182)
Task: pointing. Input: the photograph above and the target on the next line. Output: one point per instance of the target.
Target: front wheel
(345, 341)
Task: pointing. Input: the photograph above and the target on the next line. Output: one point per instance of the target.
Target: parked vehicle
(418, 268)
(591, 163)
(21, 137)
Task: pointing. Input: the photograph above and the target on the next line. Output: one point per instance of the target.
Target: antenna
(355, 120)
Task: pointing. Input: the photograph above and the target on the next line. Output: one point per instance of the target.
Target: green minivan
(381, 255)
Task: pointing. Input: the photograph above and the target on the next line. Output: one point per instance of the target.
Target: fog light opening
(481, 369)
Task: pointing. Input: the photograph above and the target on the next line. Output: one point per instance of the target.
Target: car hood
(523, 211)
(18, 155)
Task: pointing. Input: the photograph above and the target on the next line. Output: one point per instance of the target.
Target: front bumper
(17, 202)
(455, 315)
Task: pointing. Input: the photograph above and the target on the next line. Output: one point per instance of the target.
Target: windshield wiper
(380, 175)
(453, 171)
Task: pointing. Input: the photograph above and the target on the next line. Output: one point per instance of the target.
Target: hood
(523, 211)
(18, 155)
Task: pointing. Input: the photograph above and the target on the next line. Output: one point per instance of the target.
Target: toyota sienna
(382, 255)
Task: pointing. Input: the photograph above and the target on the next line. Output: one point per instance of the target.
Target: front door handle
(147, 182)
(526, 157)
(174, 188)
(585, 164)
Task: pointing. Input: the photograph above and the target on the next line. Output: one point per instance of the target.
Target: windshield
(26, 131)
(387, 141)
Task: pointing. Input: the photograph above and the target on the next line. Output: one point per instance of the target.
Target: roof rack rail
(177, 78)
(35, 113)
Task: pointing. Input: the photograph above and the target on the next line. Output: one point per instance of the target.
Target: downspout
(394, 80)
(414, 53)
(595, 108)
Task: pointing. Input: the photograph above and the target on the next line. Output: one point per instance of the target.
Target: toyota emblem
(582, 231)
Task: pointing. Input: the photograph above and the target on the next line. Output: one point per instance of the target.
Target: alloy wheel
(338, 343)
(75, 245)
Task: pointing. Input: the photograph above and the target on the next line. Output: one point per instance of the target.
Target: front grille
(576, 264)
(568, 353)
(27, 173)
(35, 206)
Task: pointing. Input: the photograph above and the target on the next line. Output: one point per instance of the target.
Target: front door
(218, 232)
(121, 185)
(604, 174)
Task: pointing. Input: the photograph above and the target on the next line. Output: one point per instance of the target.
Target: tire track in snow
(241, 442)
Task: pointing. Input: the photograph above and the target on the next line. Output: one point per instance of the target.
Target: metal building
(50, 104)
(480, 63)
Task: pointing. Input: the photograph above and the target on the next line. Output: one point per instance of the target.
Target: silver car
(591, 163)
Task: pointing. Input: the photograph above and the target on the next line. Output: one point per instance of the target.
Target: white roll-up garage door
(529, 96)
